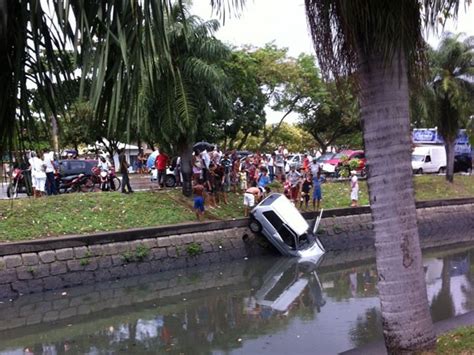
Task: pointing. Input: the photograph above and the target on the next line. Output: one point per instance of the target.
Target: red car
(332, 164)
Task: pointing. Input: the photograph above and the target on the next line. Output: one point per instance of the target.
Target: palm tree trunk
(450, 160)
(185, 152)
(402, 289)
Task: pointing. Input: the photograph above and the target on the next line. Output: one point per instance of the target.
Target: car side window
(428, 159)
(288, 236)
(274, 220)
(77, 165)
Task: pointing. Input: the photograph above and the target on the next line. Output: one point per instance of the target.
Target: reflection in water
(367, 327)
(273, 305)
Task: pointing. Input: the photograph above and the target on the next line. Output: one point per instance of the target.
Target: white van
(428, 159)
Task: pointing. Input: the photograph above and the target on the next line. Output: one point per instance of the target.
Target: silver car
(283, 225)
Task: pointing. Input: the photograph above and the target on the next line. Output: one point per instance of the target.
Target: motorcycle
(75, 183)
(19, 183)
(107, 180)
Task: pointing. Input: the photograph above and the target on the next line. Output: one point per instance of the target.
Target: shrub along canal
(264, 305)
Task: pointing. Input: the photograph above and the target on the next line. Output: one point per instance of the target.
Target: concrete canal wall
(56, 263)
(437, 225)
(87, 300)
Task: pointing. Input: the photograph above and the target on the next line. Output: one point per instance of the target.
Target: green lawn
(98, 212)
(460, 341)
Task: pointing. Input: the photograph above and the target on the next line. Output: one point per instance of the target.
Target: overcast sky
(284, 22)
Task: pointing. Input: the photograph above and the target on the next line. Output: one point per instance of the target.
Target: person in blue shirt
(317, 193)
(263, 178)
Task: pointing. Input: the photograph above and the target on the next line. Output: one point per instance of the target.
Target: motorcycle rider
(104, 166)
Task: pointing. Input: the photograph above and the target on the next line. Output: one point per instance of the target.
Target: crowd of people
(215, 174)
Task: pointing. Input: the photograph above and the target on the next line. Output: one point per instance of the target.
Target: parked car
(242, 154)
(296, 160)
(323, 158)
(283, 225)
(169, 179)
(76, 167)
(463, 163)
(335, 163)
(428, 159)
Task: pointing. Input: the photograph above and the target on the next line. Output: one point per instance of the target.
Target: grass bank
(460, 341)
(25, 219)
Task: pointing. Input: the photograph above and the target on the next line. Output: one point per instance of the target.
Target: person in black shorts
(305, 189)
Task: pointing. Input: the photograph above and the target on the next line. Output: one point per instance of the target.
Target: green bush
(140, 254)
(194, 249)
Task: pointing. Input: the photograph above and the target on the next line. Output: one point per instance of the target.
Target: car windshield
(416, 157)
(340, 155)
(325, 156)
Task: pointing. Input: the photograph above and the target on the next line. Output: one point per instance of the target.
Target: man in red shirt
(160, 164)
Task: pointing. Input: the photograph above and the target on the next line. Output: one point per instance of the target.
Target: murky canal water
(266, 306)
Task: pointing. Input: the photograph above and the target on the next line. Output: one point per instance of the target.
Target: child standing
(198, 191)
(317, 192)
(305, 189)
(354, 189)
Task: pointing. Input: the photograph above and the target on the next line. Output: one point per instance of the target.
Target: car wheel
(442, 170)
(419, 171)
(255, 226)
(170, 180)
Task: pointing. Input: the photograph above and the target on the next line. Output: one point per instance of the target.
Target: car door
(428, 164)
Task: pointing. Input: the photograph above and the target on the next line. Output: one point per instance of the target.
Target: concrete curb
(69, 241)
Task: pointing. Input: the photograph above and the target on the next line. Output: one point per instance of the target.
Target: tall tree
(247, 115)
(381, 41)
(116, 44)
(187, 92)
(452, 85)
(330, 113)
(261, 79)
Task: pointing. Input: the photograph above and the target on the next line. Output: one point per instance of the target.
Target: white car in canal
(283, 225)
